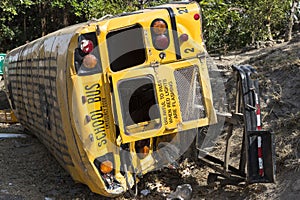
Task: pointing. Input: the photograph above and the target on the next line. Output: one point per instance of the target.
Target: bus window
(126, 48)
(139, 104)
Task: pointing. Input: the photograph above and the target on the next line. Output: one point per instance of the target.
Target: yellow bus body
(81, 115)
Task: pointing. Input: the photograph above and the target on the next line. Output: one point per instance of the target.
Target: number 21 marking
(182, 10)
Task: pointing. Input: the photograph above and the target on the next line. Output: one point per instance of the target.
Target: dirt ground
(29, 171)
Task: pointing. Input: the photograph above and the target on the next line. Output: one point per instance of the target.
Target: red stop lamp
(86, 46)
(196, 16)
(184, 37)
(89, 61)
(161, 42)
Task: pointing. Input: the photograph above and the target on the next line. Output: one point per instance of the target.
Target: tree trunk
(289, 28)
(25, 28)
(43, 19)
(65, 19)
(270, 36)
(43, 22)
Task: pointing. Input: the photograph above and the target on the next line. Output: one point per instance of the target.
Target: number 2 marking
(189, 50)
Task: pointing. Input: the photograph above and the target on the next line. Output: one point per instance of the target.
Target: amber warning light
(106, 167)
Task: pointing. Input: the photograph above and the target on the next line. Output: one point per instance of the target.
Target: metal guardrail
(257, 158)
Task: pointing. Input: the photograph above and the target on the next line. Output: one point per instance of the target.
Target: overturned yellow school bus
(115, 98)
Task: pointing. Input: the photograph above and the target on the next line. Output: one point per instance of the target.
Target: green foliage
(227, 24)
(10, 10)
(218, 23)
(99, 8)
(234, 24)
